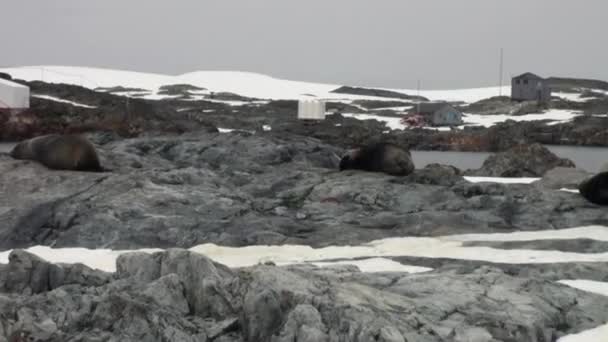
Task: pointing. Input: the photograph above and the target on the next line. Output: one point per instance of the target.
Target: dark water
(588, 158)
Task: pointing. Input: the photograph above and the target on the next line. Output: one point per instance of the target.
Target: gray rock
(168, 292)
(563, 177)
(143, 267)
(302, 303)
(257, 189)
(303, 324)
(204, 282)
(522, 161)
(262, 315)
(26, 273)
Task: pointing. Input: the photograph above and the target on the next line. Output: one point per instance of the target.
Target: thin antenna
(418, 94)
(500, 73)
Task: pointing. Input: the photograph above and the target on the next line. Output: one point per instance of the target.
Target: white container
(311, 110)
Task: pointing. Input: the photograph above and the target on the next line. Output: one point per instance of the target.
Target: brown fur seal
(595, 189)
(379, 157)
(59, 152)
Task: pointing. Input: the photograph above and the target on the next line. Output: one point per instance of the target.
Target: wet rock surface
(295, 303)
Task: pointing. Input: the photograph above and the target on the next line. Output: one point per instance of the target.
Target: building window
(525, 81)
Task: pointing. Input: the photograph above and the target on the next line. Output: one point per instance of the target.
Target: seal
(379, 157)
(595, 189)
(60, 152)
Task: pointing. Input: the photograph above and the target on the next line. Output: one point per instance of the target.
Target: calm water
(588, 158)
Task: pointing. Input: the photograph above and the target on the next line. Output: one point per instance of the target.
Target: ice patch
(225, 130)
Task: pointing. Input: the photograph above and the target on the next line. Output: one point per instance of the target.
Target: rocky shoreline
(179, 185)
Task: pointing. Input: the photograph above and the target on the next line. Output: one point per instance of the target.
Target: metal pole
(418, 94)
(500, 73)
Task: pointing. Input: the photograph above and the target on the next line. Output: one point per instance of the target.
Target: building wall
(13, 95)
(447, 116)
(523, 89)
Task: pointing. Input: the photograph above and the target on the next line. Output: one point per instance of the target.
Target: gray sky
(388, 43)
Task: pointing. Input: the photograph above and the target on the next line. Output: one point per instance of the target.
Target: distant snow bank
(242, 83)
(376, 252)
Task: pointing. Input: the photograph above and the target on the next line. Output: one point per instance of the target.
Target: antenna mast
(500, 73)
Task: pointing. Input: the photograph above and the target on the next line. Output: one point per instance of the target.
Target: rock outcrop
(522, 161)
(241, 189)
(182, 296)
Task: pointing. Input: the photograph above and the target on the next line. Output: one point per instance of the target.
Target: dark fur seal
(60, 152)
(379, 157)
(595, 189)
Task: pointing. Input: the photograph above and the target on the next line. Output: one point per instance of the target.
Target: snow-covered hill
(241, 83)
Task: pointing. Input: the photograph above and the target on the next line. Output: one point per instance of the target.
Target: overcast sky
(388, 43)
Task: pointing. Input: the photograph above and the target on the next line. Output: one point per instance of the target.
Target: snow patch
(574, 191)
(555, 115)
(56, 99)
(597, 287)
(391, 122)
(598, 233)
(503, 180)
(424, 247)
(598, 334)
(242, 83)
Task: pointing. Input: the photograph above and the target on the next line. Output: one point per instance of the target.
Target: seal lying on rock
(379, 157)
(60, 152)
(595, 189)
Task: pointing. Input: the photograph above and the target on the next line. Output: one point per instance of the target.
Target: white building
(14, 97)
(311, 110)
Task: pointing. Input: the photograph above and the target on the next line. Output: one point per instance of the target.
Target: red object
(413, 120)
